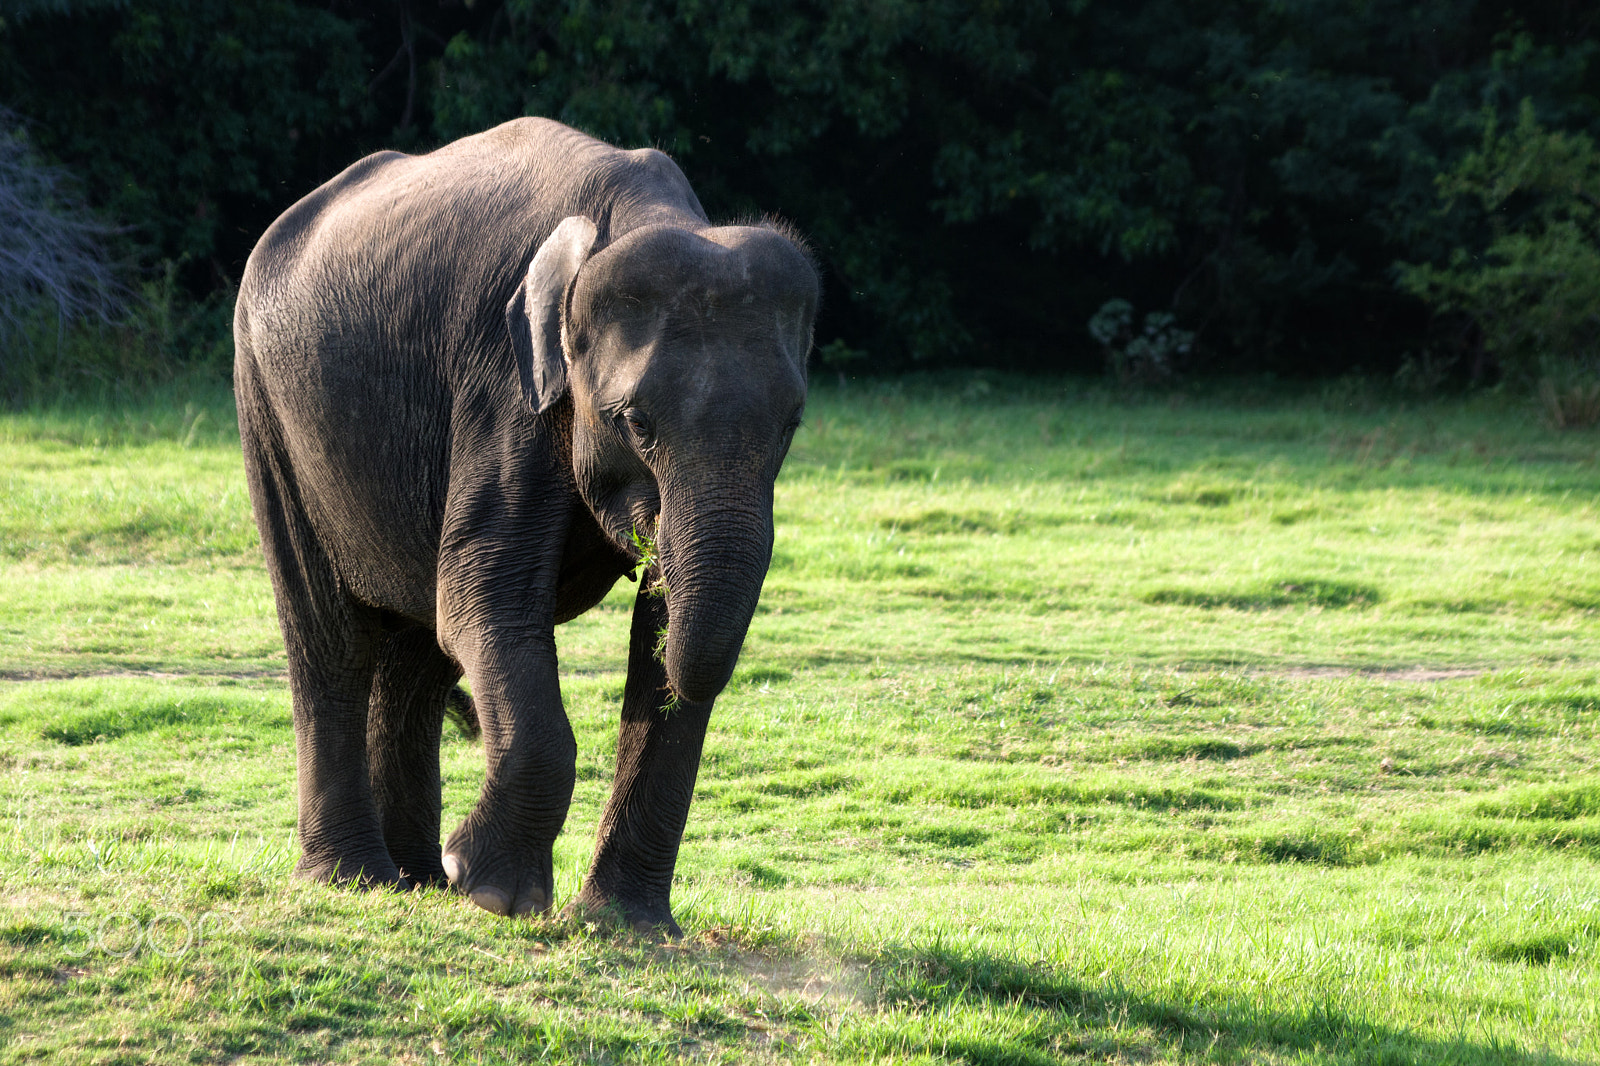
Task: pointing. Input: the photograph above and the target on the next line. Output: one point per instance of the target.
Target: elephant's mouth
(639, 544)
(646, 523)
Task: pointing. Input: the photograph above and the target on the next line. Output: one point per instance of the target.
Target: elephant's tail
(458, 707)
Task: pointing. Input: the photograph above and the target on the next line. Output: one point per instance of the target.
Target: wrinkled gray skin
(464, 379)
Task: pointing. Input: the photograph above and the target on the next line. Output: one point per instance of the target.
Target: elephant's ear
(534, 315)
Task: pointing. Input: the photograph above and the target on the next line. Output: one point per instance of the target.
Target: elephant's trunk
(713, 561)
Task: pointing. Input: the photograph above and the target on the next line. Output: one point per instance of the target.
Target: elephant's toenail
(535, 902)
(452, 868)
(491, 899)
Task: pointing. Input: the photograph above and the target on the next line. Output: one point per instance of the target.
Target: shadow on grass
(983, 1009)
(1288, 592)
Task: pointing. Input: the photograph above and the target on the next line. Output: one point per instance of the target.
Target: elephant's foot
(424, 871)
(418, 858)
(499, 883)
(646, 914)
(377, 871)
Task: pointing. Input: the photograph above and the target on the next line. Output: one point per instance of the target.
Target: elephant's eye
(639, 427)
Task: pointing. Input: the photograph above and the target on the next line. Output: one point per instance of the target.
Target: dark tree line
(978, 177)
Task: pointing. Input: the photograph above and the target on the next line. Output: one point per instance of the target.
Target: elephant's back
(375, 240)
(421, 253)
(405, 240)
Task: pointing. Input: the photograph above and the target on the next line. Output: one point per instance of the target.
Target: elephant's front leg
(501, 854)
(658, 758)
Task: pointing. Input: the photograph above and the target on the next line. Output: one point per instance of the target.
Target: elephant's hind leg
(410, 686)
(330, 641)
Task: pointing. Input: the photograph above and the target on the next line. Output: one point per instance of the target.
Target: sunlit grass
(1253, 728)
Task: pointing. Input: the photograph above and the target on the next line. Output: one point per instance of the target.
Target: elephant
(475, 388)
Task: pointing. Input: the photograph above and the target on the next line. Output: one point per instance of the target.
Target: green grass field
(1248, 727)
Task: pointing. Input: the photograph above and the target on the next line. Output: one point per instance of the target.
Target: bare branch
(52, 249)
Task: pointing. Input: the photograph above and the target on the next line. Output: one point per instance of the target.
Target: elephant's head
(684, 352)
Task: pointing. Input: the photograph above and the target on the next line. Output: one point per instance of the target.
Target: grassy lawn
(1239, 728)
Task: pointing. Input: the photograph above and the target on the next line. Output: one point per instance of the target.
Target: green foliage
(978, 179)
(161, 335)
(189, 120)
(1147, 356)
(189, 125)
(1534, 288)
